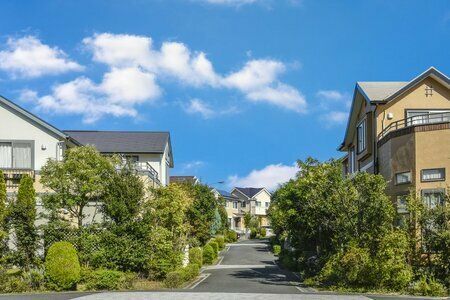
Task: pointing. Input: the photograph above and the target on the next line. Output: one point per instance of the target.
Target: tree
(23, 219)
(3, 216)
(247, 220)
(83, 176)
(201, 215)
(123, 197)
(223, 217)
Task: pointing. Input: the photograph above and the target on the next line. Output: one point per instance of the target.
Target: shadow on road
(266, 276)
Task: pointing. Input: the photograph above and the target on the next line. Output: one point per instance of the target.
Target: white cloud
(116, 95)
(331, 95)
(269, 177)
(281, 95)
(192, 166)
(196, 106)
(334, 118)
(29, 57)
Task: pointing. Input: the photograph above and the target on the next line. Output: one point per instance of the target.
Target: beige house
(401, 130)
(28, 142)
(234, 208)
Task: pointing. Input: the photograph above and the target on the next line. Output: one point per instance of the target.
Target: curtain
(5, 155)
(22, 156)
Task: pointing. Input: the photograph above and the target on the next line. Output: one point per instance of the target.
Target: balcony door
(16, 155)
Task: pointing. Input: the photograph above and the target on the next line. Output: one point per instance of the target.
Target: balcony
(13, 176)
(415, 121)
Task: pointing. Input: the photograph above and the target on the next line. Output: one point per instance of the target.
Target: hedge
(208, 255)
(62, 266)
(196, 256)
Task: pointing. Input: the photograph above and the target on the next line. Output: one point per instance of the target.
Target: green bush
(253, 233)
(196, 256)
(263, 232)
(258, 236)
(288, 261)
(215, 247)
(428, 287)
(103, 279)
(276, 249)
(190, 272)
(62, 267)
(208, 255)
(174, 279)
(231, 236)
(221, 241)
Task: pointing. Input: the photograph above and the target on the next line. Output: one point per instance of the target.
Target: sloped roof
(225, 194)
(122, 141)
(380, 90)
(249, 191)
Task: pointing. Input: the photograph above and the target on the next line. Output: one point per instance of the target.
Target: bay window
(16, 155)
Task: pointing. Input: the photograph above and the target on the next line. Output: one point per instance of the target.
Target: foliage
(103, 279)
(225, 224)
(428, 287)
(231, 236)
(208, 255)
(215, 247)
(263, 232)
(62, 266)
(220, 241)
(190, 272)
(196, 256)
(83, 176)
(124, 196)
(165, 216)
(247, 219)
(23, 217)
(276, 249)
(174, 279)
(253, 233)
(3, 217)
(203, 212)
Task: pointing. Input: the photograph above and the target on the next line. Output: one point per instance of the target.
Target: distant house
(401, 130)
(28, 142)
(233, 206)
(182, 179)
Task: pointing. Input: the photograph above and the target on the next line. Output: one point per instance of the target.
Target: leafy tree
(201, 214)
(23, 219)
(247, 219)
(223, 217)
(123, 197)
(83, 176)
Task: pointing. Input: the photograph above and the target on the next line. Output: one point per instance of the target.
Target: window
(433, 174)
(243, 204)
(17, 155)
(352, 160)
(417, 117)
(402, 178)
(258, 203)
(267, 204)
(235, 204)
(433, 197)
(402, 205)
(361, 136)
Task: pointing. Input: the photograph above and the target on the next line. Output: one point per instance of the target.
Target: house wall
(158, 162)
(15, 127)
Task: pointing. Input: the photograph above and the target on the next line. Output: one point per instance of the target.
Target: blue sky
(245, 87)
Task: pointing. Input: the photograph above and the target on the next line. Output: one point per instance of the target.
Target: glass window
(235, 204)
(243, 204)
(267, 204)
(352, 161)
(15, 155)
(258, 203)
(402, 205)
(433, 174)
(404, 177)
(361, 136)
(433, 197)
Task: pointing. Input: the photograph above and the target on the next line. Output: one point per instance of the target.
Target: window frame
(235, 205)
(432, 180)
(363, 125)
(400, 173)
(12, 142)
(257, 204)
(433, 191)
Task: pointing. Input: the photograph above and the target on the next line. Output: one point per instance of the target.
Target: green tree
(23, 219)
(223, 217)
(124, 196)
(247, 220)
(83, 176)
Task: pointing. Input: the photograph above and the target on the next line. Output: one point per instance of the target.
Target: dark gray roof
(249, 192)
(122, 141)
(225, 194)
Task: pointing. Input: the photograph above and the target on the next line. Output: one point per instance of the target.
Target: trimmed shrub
(208, 255)
(258, 236)
(174, 279)
(196, 256)
(190, 272)
(215, 247)
(253, 234)
(62, 267)
(263, 232)
(221, 241)
(103, 279)
(231, 236)
(276, 249)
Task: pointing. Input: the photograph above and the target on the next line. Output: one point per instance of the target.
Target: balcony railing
(146, 168)
(13, 176)
(431, 118)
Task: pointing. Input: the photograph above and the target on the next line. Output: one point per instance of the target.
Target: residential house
(28, 142)
(401, 130)
(255, 201)
(234, 207)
